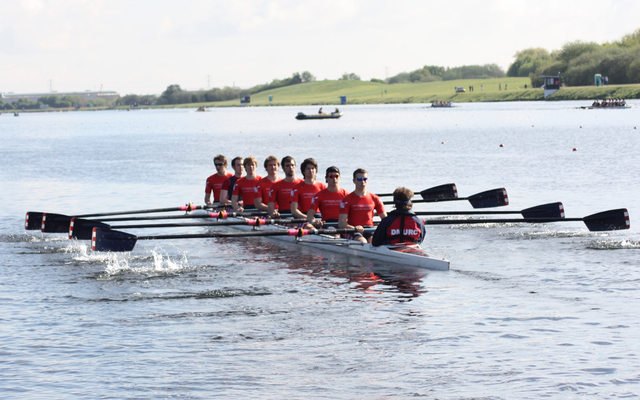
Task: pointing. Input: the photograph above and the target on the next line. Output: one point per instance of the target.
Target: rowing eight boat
(413, 255)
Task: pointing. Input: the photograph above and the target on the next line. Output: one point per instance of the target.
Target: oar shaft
(156, 217)
(279, 232)
(497, 221)
(188, 207)
(466, 212)
(216, 223)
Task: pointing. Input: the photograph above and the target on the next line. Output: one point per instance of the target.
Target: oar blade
(82, 229)
(55, 223)
(108, 240)
(611, 220)
(550, 210)
(490, 198)
(446, 191)
(33, 221)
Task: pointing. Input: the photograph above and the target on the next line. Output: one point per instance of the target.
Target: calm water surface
(526, 312)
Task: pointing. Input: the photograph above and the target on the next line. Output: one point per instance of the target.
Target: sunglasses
(333, 176)
(218, 165)
(361, 179)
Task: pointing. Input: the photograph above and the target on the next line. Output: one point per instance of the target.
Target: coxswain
(320, 110)
(303, 192)
(280, 193)
(357, 208)
(214, 182)
(227, 186)
(245, 186)
(327, 201)
(336, 111)
(261, 199)
(402, 225)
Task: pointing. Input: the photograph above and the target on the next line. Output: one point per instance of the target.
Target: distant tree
(171, 89)
(375, 80)
(295, 78)
(400, 78)
(573, 50)
(308, 77)
(529, 60)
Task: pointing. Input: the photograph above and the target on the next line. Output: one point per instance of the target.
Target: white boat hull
(414, 256)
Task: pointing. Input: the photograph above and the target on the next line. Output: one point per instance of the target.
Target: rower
(261, 199)
(214, 182)
(280, 193)
(245, 186)
(303, 192)
(356, 210)
(227, 186)
(327, 201)
(401, 226)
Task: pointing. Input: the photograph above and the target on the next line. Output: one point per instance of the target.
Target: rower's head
(220, 162)
(237, 166)
(271, 165)
(309, 168)
(402, 198)
(332, 177)
(250, 165)
(360, 178)
(289, 166)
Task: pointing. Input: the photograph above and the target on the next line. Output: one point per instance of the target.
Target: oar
(489, 198)
(551, 210)
(82, 228)
(446, 191)
(611, 220)
(34, 220)
(108, 240)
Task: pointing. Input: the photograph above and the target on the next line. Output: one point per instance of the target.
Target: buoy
(289, 134)
(441, 142)
(501, 145)
(318, 136)
(532, 126)
(353, 137)
(575, 149)
(203, 130)
(580, 126)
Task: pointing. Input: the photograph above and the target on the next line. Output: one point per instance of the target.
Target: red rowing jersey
(328, 203)
(263, 187)
(214, 184)
(246, 188)
(280, 193)
(303, 193)
(359, 209)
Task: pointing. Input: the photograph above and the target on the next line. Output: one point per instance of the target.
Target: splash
(154, 263)
(614, 244)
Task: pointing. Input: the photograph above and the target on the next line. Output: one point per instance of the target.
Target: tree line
(577, 62)
(174, 94)
(52, 101)
(431, 73)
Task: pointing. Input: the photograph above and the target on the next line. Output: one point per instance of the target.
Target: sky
(141, 47)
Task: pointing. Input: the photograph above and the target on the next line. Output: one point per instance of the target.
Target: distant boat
(603, 108)
(441, 104)
(201, 109)
(15, 114)
(332, 115)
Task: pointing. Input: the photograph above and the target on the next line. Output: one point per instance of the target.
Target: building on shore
(107, 95)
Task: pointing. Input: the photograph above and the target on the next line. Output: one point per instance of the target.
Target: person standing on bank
(402, 226)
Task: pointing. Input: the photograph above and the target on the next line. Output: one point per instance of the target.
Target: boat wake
(614, 244)
(549, 233)
(153, 263)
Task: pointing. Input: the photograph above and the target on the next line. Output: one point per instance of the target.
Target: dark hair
(332, 169)
(270, 158)
(220, 157)
(359, 171)
(287, 159)
(402, 198)
(307, 162)
(233, 162)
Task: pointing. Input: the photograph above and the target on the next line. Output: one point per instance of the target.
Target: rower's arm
(223, 196)
(234, 203)
(271, 210)
(207, 198)
(295, 212)
(342, 222)
(383, 215)
(260, 205)
(311, 216)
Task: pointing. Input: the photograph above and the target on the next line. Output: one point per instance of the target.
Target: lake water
(526, 311)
